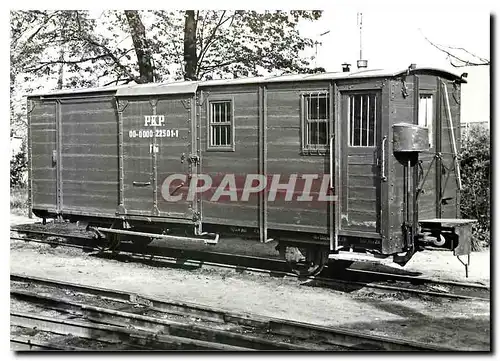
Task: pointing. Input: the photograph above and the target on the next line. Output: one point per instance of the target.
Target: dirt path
(459, 324)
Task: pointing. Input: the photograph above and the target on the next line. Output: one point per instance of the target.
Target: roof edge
(440, 72)
(190, 87)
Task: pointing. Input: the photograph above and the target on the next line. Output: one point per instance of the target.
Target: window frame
(378, 116)
(220, 148)
(431, 94)
(314, 149)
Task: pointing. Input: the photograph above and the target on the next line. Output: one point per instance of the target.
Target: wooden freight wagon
(363, 162)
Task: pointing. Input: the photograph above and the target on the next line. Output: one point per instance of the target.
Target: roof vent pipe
(361, 63)
(346, 67)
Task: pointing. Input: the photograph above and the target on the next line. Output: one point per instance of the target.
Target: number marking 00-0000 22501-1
(150, 133)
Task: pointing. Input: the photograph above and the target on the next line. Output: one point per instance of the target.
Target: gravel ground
(459, 324)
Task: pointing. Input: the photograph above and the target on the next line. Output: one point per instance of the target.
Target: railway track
(72, 316)
(345, 279)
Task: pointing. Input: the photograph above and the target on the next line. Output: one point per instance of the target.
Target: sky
(393, 38)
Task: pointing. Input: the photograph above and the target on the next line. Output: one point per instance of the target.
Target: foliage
(78, 48)
(244, 43)
(476, 181)
(227, 43)
(18, 167)
(43, 41)
(19, 201)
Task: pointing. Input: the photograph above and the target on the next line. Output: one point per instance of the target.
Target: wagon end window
(426, 114)
(221, 127)
(316, 115)
(362, 115)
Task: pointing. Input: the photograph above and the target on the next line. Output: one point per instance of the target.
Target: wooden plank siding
(240, 162)
(427, 209)
(89, 151)
(362, 200)
(136, 158)
(401, 110)
(43, 173)
(169, 159)
(284, 158)
(449, 189)
(361, 190)
(98, 161)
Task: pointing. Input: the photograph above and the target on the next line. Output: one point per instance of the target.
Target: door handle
(141, 184)
(177, 188)
(382, 166)
(331, 161)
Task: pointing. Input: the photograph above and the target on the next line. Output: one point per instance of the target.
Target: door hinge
(193, 158)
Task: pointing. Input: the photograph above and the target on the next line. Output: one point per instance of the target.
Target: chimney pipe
(362, 64)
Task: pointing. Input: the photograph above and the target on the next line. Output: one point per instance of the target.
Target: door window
(426, 114)
(362, 120)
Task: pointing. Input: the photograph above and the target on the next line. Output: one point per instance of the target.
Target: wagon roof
(189, 87)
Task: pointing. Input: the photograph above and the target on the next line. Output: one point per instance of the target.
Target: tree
(243, 43)
(141, 46)
(216, 44)
(458, 56)
(475, 165)
(73, 48)
(190, 56)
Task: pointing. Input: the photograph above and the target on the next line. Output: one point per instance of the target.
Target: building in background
(16, 145)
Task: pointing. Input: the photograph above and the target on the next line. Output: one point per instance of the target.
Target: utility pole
(316, 48)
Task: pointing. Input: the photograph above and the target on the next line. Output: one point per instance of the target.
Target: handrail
(382, 167)
(331, 161)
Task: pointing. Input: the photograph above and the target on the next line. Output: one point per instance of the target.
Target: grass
(19, 201)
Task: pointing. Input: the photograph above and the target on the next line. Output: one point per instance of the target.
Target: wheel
(304, 261)
(108, 243)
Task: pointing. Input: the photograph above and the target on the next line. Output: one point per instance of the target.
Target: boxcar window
(220, 125)
(426, 114)
(316, 116)
(362, 116)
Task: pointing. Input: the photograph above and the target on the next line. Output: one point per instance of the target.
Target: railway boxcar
(339, 165)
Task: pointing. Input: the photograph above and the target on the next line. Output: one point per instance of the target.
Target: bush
(18, 168)
(19, 201)
(475, 172)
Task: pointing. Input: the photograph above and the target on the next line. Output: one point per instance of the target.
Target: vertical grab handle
(331, 162)
(382, 167)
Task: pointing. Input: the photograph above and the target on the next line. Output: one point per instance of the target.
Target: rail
(265, 332)
(332, 277)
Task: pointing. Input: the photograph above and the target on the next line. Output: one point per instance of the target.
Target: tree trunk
(60, 80)
(141, 46)
(190, 57)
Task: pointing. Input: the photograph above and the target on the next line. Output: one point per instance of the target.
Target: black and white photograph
(250, 180)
